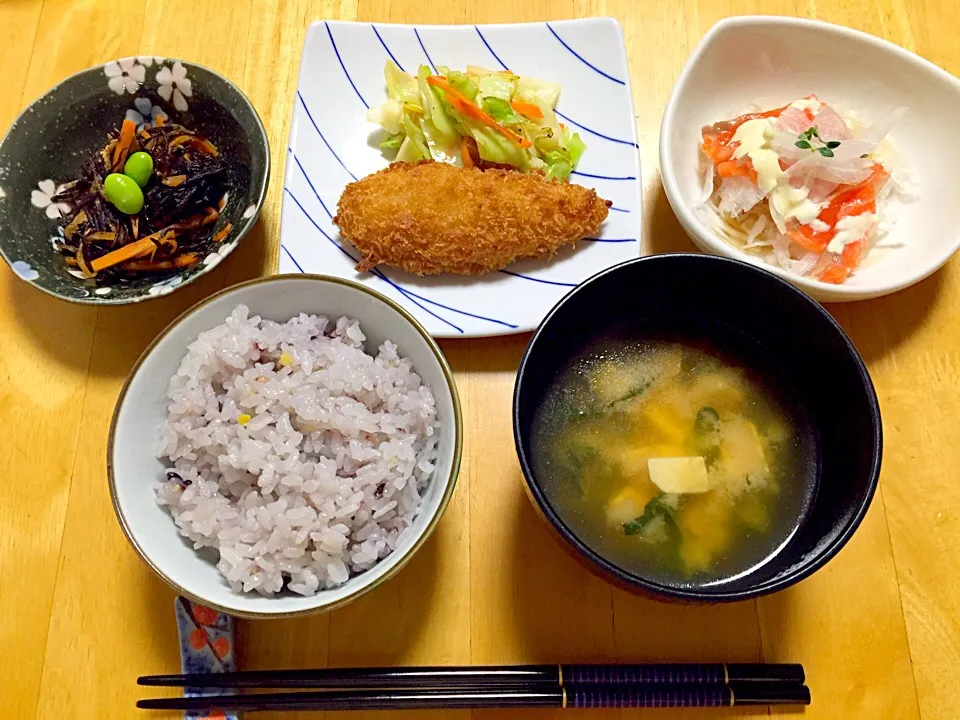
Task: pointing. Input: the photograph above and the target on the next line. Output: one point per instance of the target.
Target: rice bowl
(305, 449)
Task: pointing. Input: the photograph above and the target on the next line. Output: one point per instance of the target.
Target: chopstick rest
(206, 648)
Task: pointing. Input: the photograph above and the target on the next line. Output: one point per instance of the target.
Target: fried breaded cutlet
(431, 217)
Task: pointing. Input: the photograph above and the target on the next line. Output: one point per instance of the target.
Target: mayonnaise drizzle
(850, 229)
(753, 138)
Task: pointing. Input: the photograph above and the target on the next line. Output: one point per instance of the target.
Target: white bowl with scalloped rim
(773, 60)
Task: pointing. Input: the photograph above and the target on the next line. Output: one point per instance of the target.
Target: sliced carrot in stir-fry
(527, 109)
(469, 109)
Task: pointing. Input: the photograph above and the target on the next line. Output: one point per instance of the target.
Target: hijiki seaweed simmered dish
(809, 188)
(147, 202)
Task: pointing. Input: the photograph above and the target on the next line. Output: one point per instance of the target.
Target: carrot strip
(222, 233)
(174, 180)
(158, 121)
(122, 149)
(465, 107)
(197, 220)
(139, 248)
(181, 261)
(197, 142)
(206, 146)
(186, 260)
(527, 109)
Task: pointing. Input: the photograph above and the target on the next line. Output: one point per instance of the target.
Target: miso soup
(674, 461)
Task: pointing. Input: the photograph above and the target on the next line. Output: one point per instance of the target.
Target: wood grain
(878, 629)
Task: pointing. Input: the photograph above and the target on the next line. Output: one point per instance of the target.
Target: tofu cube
(679, 474)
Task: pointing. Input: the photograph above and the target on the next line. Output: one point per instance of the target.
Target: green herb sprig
(805, 141)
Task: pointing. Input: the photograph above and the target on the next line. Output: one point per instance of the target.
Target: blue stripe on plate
(601, 177)
(423, 47)
(375, 32)
(538, 280)
(582, 59)
(310, 183)
(379, 273)
(595, 132)
(495, 56)
(317, 226)
(350, 79)
(409, 297)
(376, 273)
(315, 127)
(614, 208)
(290, 255)
(572, 122)
(611, 240)
(411, 294)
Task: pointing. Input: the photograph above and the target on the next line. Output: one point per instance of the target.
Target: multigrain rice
(293, 452)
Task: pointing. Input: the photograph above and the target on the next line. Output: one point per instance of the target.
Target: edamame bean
(139, 166)
(124, 193)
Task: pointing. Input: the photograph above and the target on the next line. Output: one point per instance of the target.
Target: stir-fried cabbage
(509, 119)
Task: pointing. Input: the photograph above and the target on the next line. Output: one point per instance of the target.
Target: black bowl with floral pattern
(48, 142)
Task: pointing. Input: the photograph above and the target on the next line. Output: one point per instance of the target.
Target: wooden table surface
(80, 616)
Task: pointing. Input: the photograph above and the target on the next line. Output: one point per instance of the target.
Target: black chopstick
(454, 677)
(575, 696)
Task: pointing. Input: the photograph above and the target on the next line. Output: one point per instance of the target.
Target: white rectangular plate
(332, 144)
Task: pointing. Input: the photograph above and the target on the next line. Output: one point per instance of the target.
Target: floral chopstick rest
(206, 646)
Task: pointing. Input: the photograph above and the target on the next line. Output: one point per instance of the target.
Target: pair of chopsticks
(513, 686)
